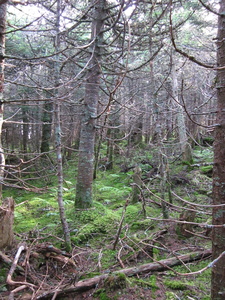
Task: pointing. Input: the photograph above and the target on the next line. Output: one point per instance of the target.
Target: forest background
(99, 92)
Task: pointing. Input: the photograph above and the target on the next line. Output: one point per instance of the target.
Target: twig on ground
(119, 259)
(9, 280)
(16, 290)
(99, 260)
(120, 225)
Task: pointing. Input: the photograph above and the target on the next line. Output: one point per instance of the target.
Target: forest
(112, 149)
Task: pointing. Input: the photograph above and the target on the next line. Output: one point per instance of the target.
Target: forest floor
(115, 235)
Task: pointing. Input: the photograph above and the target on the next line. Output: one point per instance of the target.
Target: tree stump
(6, 223)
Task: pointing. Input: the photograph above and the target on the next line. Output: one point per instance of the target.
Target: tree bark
(3, 9)
(161, 265)
(218, 234)
(58, 133)
(87, 135)
(6, 223)
(183, 139)
(47, 125)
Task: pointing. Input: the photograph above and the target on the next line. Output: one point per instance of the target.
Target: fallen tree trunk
(86, 284)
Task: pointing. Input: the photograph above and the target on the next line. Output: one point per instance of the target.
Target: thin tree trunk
(25, 127)
(3, 9)
(183, 139)
(47, 125)
(163, 183)
(58, 133)
(87, 135)
(218, 234)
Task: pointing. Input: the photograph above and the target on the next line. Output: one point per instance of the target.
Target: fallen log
(162, 265)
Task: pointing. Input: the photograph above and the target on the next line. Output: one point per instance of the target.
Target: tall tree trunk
(3, 9)
(58, 134)
(183, 139)
(87, 135)
(218, 234)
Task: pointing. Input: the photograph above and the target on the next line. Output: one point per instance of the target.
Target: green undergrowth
(112, 188)
(96, 228)
(92, 224)
(37, 212)
(150, 282)
(203, 154)
(188, 286)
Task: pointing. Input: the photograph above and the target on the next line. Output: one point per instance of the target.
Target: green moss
(3, 271)
(93, 223)
(115, 281)
(151, 282)
(201, 282)
(175, 284)
(170, 296)
(112, 188)
(108, 258)
(101, 294)
(206, 169)
(3, 288)
(142, 225)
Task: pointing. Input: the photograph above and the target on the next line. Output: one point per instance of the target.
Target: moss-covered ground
(144, 235)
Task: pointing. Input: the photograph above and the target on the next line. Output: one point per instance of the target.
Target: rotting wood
(6, 223)
(162, 265)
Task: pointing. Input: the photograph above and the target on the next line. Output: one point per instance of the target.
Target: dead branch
(49, 248)
(16, 290)
(120, 225)
(119, 259)
(9, 280)
(86, 284)
(49, 251)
